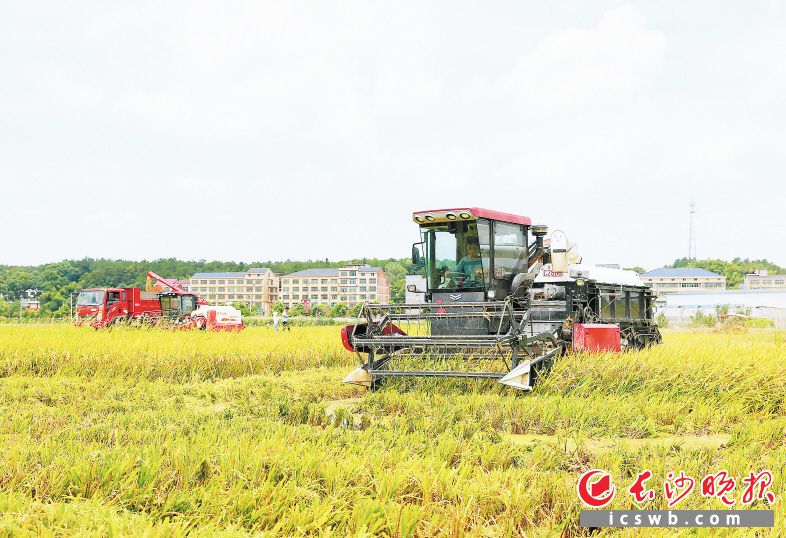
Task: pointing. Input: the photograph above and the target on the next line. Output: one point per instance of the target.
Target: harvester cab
(177, 306)
(501, 302)
(471, 255)
(180, 307)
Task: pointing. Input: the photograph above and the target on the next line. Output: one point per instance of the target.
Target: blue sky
(260, 130)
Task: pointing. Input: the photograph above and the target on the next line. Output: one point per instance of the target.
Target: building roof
(680, 272)
(217, 275)
(176, 282)
(233, 274)
(333, 272)
(326, 271)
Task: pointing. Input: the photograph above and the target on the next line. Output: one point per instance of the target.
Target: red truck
(104, 306)
(101, 307)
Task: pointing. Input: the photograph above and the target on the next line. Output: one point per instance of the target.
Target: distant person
(470, 268)
(275, 320)
(285, 320)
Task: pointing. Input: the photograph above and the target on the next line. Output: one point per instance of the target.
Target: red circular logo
(595, 488)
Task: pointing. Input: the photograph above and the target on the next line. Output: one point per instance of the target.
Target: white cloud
(574, 69)
(318, 128)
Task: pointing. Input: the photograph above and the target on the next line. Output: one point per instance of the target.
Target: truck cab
(100, 305)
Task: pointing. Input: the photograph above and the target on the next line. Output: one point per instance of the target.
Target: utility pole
(692, 236)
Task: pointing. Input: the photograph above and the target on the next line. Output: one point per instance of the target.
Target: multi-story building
(667, 280)
(761, 278)
(256, 287)
(351, 284)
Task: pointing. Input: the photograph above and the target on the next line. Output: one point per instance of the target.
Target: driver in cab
(470, 268)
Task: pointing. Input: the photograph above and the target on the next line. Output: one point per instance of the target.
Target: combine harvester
(102, 307)
(499, 294)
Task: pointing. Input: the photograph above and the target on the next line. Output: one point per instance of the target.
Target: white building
(352, 284)
(258, 287)
(681, 307)
(761, 279)
(668, 279)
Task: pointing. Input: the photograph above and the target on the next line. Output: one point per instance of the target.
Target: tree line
(56, 283)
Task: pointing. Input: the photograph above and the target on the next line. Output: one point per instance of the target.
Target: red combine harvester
(102, 307)
(501, 295)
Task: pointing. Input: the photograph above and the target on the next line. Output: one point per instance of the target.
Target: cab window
(457, 254)
(509, 249)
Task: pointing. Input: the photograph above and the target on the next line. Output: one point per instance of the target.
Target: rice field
(160, 433)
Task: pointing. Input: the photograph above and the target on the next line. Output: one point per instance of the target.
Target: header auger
(501, 302)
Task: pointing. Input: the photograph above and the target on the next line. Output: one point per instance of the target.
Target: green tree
(53, 300)
(297, 310)
(245, 310)
(734, 270)
(279, 307)
(320, 310)
(396, 272)
(700, 319)
(339, 310)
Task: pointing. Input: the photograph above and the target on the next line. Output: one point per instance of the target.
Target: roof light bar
(445, 215)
